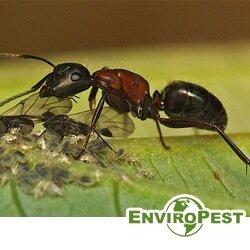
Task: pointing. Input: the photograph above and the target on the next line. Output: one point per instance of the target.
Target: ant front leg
(92, 97)
(33, 89)
(185, 123)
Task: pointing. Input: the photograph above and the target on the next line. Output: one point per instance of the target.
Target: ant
(186, 104)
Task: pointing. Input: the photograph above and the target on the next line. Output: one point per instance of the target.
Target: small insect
(110, 124)
(22, 166)
(86, 181)
(60, 176)
(23, 124)
(7, 161)
(24, 114)
(43, 171)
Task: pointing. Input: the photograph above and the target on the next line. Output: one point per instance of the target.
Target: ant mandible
(186, 104)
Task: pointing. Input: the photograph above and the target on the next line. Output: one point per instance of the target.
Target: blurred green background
(201, 42)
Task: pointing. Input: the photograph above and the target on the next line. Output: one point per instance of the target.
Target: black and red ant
(186, 104)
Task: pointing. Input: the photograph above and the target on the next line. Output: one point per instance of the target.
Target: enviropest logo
(184, 215)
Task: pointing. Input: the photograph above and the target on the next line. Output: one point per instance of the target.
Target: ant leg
(95, 118)
(43, 132)
(149, 110)
(92, 97)
(117, 153)
(160, 135)
(185, 123)
(33, 89)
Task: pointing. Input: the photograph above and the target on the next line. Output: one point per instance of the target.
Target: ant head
(67, 79)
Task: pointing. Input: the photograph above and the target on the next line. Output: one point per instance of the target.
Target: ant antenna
(27, 57)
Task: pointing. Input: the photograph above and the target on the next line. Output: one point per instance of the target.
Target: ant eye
(75, 77)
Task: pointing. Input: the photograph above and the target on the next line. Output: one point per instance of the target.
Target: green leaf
(147, 175)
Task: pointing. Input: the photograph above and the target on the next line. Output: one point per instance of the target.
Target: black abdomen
(191, 101)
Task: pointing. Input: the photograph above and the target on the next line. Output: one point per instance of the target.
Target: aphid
(20, 164)
(69, 148)
(43, 171)
(29, 141)
(23, 168)
(34, 176)
(110, 124)
(126, 91)
(19, 156)
(60, 176)
(95, 146)
(86, 181)
(7, 161)
(23, 124)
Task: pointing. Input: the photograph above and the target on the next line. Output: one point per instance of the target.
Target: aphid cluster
(185, 104)
(48, 175)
